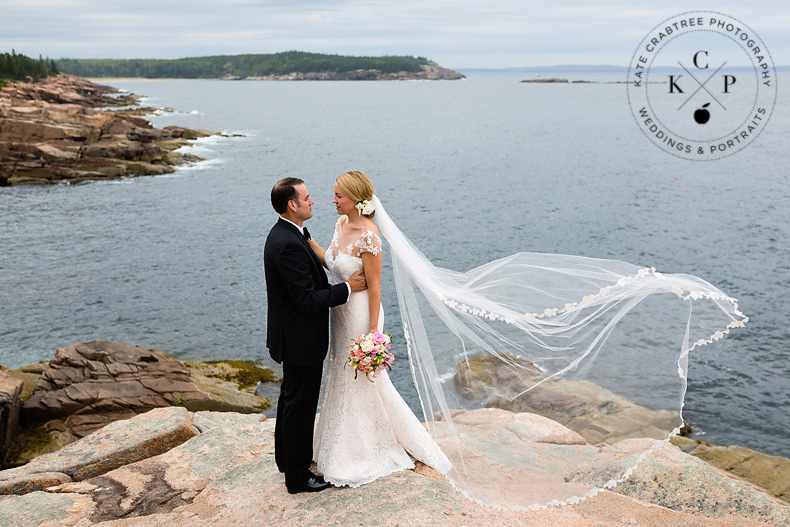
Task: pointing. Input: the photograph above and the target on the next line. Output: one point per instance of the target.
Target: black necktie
(306, 234)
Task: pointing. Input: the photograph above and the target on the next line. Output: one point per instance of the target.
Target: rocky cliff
(51, 131)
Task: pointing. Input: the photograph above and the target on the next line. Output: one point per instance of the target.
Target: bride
(365, 429)
(543, 379)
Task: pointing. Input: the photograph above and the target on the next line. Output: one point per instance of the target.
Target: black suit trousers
(293, 431)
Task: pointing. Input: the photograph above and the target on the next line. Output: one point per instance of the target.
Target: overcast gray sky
(455, 33)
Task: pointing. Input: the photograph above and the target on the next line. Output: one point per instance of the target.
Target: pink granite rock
(117, 444)
(89, 385)
(769, 472)
(227, 476)
(23, 483)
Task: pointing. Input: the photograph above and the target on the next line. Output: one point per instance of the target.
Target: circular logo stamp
(702, 85)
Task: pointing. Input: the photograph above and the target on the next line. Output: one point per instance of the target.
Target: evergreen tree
(18, 67)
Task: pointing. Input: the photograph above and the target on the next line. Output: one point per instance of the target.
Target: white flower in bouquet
(370, 354)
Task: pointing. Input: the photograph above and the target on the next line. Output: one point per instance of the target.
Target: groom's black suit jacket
(299, 298)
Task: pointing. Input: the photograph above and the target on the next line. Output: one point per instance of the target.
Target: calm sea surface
(471, 170)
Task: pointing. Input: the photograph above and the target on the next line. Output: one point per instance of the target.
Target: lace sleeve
(335, 234)
(369, 242)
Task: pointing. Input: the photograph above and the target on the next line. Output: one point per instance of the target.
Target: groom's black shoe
(313, 484)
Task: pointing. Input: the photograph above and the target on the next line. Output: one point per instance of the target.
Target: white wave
(125, 180)
(446, 376)
(195, 149)
(209, 140)
(200, 165)
(170, 111)
(122, 181)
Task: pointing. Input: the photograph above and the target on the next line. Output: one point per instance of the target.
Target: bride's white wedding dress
(365, 429)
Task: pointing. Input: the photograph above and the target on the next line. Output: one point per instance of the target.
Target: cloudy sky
(455, 33)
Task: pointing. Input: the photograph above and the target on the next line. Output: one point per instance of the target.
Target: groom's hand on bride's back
(357, 282)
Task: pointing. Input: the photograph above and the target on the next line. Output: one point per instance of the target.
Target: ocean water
(471, 170)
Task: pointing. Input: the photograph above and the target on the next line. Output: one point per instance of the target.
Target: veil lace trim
(605, 291)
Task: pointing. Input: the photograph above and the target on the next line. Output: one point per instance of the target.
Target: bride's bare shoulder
(369, 225)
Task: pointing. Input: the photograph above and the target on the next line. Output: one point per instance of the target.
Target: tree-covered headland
(242, 66)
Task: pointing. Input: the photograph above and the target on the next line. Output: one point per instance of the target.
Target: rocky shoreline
(617, 418)
(54, 131)
(175, 468)
(46, 406)
(135, 437)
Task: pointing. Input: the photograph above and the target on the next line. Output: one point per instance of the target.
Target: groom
(297, 332)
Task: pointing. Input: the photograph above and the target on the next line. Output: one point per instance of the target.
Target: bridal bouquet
(370, 354)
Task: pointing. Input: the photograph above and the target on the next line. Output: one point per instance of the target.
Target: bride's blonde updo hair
(357, 186)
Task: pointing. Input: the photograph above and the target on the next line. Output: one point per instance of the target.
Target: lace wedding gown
(365, 429)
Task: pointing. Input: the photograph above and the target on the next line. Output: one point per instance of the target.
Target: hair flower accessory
(365, 207)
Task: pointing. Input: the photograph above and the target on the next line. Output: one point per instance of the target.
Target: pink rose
(379, 338)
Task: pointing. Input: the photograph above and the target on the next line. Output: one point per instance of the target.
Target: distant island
(552, 80)
(289, 65)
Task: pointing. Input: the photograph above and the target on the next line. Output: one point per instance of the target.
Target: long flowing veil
(547, 378)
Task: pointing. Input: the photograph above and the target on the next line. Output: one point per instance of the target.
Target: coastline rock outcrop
(570, 403)
(771, 473)
(616, 418)
(86, 386)
(173, 467)
(51, 131)
(68, 89)
(226, 475)
(231, 386)
(90, 385)
(118, 444)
